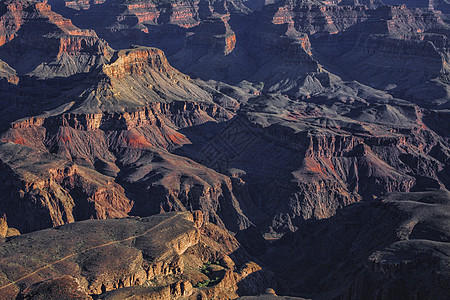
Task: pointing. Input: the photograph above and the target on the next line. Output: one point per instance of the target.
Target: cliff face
(31, 30)
(139, 121)
(295, 120)
(49, 191)
(325, 19)
(386, 43)
(226, 41)
(117, 147)
(125, 143)
(139, 18)
(441, 6)
(165, 256)
(329, 161)
(135, 62)
(315, 18)
(314, 162)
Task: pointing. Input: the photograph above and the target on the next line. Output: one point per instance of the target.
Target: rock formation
(167, 256)
(135, 119)
(272, 118)
(39, 42)
(394, 246)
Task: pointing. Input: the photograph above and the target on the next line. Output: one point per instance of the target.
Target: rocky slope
(392, 247)
(42, 190)
(320, 145)
(386, 44)
(329, 160)
(167, 256)
(113, 134)
(40, 42)
(315, 161)
(270, 117)
(226, 41)
(40, 48)
(136, 20)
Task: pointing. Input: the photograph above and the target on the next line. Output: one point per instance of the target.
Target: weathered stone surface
(66, 287)
(152, 257)
(265, 117)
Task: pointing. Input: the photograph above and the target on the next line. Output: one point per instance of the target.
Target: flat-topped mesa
(137, 60)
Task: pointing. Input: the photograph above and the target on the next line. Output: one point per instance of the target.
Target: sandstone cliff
(55, 47)
(98, 146)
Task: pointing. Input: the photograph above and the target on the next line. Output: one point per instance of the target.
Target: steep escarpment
(140, 121)
(145, 171)
(224, 40)
(317, 18)
(138, 77)
(50, 45)
(42, 49)
(315, 162)
(329, 161)
(165, 256)
(386, 43)
(429, 60)
(41, 190)
(436, 5)
(132, 80)
(123, 151)
(134, 62)
(131, 20)
(122, 138)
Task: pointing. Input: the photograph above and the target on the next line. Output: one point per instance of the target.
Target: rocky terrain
(395, 246)
(169, 256)
(275, 119)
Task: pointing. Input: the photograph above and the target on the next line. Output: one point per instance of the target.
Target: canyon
(257, 136)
